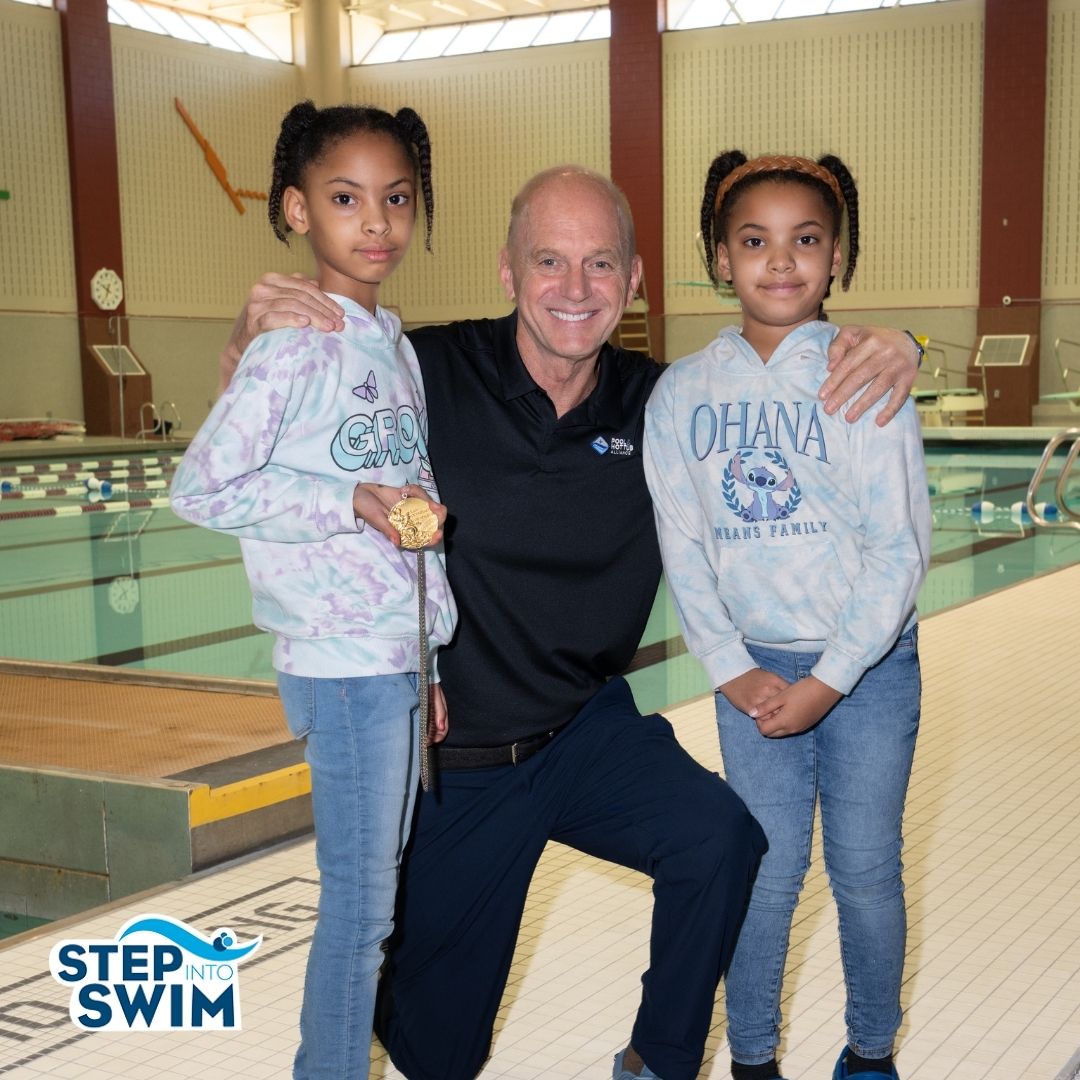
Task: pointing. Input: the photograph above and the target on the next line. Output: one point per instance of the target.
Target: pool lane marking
(35, 544)
(207, 804)
(139, 575)
(166, 648)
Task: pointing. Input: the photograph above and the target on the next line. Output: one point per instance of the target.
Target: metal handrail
(171, 406)
(1063, 371)
(1063, 509)
(155, 420)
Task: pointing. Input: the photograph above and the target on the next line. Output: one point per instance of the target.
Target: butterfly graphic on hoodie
(367, 390)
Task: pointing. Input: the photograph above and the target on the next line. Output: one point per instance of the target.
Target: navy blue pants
(616, 785)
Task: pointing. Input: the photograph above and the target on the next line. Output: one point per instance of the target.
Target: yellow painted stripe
(208, 804)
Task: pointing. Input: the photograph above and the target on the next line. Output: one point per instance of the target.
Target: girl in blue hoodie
(794, 545)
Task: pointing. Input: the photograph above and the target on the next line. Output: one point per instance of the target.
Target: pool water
(141, 589)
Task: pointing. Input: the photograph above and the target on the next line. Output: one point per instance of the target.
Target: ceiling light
(450, 9)
(492, 5)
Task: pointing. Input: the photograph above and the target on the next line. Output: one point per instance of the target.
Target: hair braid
(851, 201)
(720, 167)
(298, 121)
(415, 130)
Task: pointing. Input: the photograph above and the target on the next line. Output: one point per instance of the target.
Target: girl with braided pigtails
(794, 545)
(316, 437)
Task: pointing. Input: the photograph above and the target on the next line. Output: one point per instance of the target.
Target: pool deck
(72, 446)
(992, 869)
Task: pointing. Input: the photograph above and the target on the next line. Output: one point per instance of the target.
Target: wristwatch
(918, 345)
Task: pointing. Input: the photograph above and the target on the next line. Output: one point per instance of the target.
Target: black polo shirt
(551, 547)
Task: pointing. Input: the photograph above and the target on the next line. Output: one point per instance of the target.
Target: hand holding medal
(414, 520)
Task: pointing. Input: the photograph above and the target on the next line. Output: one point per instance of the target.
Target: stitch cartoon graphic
(764, 486)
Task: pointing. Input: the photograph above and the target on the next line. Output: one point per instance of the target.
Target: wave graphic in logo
(157, 974)
(216, 949)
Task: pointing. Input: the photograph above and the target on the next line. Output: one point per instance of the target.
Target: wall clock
(123, 594)
(106, 289)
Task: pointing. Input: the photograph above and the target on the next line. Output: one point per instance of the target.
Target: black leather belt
(480, 757)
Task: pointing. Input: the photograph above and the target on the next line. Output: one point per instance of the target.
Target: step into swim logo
(157, 974)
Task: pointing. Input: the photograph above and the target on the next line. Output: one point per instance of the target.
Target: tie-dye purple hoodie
(307, 417)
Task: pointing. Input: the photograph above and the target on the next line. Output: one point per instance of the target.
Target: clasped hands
(778, 707)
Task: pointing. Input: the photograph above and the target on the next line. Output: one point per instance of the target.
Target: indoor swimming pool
(83, 581)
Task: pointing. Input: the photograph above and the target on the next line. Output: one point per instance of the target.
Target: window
(691, 14)
(190, 26)
(491, 35)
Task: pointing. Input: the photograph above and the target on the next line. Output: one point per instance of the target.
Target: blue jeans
(858, 760)
(362, 750)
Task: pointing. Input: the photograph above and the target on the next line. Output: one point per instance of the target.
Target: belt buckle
(513, 753)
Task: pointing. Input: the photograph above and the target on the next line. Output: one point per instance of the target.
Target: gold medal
(414, 521)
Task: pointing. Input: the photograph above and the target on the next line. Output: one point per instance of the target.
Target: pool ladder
(157, 419)
(1067, 517)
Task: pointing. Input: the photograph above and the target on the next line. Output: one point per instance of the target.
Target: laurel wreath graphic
(795, 497)
(727, 484)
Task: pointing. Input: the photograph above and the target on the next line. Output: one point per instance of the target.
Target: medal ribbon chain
(421, 589)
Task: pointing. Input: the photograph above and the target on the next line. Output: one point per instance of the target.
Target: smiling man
(535, 428)
(538, 421)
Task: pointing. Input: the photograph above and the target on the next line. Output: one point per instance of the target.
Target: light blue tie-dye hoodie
(780, 525)
(306, 418)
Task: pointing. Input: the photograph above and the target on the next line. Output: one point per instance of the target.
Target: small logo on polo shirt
(617, 447)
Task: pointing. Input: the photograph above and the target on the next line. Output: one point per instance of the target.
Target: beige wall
(896, 92)
(187, 251)
(37, 272)
(1061, 241)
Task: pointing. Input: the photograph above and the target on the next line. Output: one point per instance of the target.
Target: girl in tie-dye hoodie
(317, 435)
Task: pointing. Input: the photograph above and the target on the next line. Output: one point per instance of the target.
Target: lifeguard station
(117, 384)
(1067, 395)
(940, 404)
(996, 378)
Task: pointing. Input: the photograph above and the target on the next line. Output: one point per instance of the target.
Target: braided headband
(777, 163)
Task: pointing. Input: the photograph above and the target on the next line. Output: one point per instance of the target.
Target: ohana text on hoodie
(307, 416)
(780, 525)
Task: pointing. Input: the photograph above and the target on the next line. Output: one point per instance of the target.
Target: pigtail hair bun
(851, 201)
(298, 120)
(721, 165)
(416, 132)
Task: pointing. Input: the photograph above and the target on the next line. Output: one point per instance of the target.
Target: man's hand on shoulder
(277, 301)
(876, 360)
